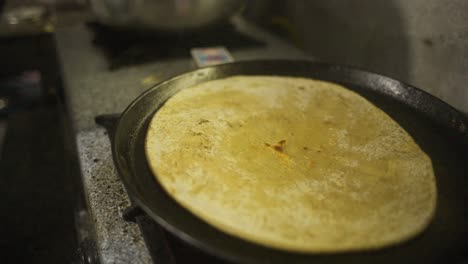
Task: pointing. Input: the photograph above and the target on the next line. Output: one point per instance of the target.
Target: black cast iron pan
(440, 130)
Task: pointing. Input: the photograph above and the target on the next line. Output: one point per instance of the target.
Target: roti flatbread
(291, 163)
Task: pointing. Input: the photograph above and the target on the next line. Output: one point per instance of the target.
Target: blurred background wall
(422, 42)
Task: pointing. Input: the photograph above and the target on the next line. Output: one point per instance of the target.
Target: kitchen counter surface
(91, 88)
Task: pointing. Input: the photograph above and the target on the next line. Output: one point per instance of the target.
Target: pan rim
(459, 115)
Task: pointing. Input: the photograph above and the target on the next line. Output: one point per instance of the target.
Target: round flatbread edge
(249, 132)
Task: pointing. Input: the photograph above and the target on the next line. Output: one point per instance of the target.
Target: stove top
(125, 47)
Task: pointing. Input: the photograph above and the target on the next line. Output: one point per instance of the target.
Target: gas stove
(103, 71)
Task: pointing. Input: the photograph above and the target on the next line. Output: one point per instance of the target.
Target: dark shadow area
(36, 195)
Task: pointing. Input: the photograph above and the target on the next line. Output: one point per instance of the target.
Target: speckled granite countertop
(92, 89)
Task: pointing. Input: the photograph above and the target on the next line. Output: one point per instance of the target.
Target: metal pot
(165, 15)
